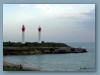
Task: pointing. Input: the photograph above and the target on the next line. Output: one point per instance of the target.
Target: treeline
(34, 44)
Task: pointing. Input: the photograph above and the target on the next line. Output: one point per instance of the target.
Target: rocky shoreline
(7, 66)
(12, 48)
(41, 50)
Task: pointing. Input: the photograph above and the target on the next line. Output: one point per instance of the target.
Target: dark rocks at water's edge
(7, 66)
(71, 50)
(43, 48)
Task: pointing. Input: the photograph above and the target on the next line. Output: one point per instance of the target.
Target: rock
(41, 50)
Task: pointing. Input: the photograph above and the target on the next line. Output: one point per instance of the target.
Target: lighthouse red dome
(23, 28)
(39, 29)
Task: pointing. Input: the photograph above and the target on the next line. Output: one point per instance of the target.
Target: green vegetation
(14, 68)
(34, 44)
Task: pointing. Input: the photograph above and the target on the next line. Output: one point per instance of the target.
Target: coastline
(12, 48)
(42, 50)
(7, 66)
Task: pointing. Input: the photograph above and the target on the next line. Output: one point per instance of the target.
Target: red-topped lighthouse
(23, 34)
(39, 34)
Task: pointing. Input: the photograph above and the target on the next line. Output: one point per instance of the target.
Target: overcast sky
(59, 22)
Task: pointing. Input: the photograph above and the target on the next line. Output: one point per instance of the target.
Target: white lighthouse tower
(39, 34)
(23, 34)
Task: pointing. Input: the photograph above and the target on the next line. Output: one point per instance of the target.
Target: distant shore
(39, 48)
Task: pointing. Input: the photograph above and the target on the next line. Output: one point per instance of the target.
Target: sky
(59, 22)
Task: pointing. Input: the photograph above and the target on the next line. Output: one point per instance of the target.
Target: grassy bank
(16, 67)
(34, 44)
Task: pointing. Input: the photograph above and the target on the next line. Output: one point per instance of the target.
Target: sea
(59, 62)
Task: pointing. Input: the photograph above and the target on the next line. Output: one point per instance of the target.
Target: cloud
(84, 19)
(77, 15)
(90, 13)
(25, 5)
(89, 22)
(45, 7)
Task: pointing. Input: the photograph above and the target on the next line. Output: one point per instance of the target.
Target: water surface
(59, 62)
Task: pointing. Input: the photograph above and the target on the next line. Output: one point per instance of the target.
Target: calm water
(59, 62)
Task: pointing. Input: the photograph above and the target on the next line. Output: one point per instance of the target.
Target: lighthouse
(39, 34)
(23, 34)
